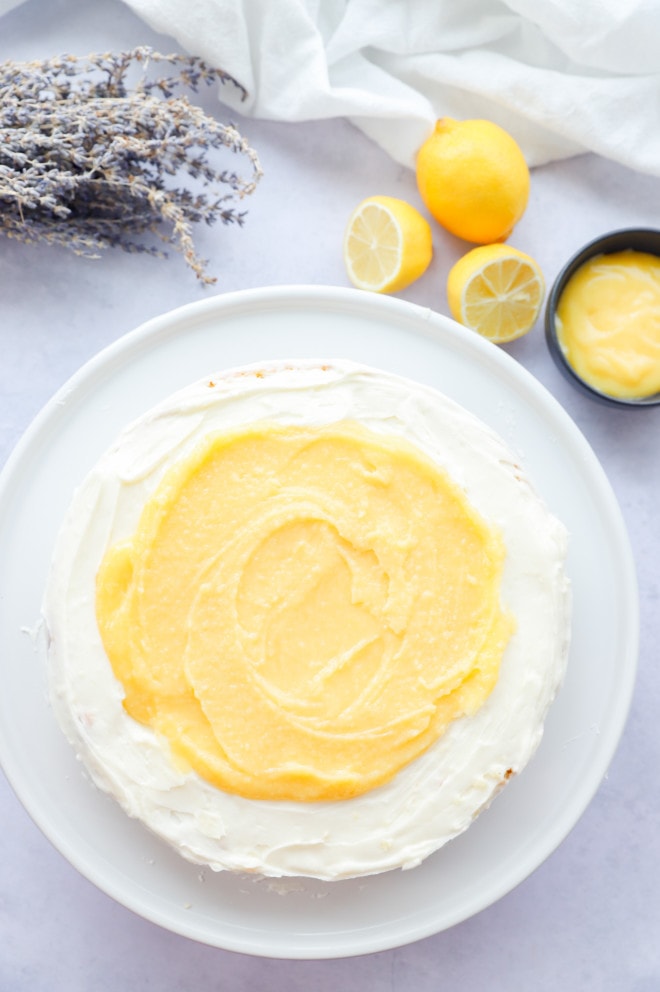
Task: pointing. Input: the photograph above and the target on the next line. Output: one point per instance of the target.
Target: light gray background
(589, 918)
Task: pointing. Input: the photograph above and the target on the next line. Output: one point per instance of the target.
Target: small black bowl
(639, 239)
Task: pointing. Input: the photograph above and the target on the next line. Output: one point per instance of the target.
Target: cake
(306, 619)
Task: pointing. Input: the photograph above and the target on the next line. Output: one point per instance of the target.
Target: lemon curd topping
(608, 323)
(303, 611)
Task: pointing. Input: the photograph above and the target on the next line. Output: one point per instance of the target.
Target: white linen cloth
(562, 76)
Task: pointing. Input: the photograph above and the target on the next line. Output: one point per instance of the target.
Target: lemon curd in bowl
(603, 318)
(306, 618)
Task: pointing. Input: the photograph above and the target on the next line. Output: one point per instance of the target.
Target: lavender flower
(88, 163)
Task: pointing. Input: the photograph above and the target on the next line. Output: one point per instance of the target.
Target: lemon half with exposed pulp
(497, 291)
(387, 245)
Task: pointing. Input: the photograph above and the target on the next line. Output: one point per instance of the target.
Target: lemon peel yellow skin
(387, 245)
(497, 291)
(473, 179)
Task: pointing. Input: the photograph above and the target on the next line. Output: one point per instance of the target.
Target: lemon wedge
(387, 245)
(497, 291)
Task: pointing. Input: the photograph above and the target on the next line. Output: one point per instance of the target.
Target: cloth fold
(562, 76)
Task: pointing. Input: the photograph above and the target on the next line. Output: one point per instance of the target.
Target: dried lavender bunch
(89, 162)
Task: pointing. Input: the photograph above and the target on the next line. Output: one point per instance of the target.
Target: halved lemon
(497, 291)
(387, 245)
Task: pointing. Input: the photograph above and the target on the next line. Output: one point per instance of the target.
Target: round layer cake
(306, 618)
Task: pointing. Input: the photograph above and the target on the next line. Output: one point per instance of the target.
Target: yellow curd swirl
(303, 611)
(608, 323)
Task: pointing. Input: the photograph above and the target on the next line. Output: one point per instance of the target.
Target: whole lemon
(473, 179)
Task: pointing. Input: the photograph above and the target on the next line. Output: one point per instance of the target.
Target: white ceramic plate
(535, 812)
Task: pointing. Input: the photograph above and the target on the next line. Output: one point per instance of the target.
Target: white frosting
(435, 797)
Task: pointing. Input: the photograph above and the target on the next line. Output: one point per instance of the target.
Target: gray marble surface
(589, 917)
